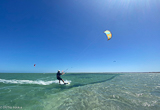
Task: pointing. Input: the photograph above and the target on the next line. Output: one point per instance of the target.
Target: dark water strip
(66, 87)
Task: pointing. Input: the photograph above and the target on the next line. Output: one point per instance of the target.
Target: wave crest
(39, 82)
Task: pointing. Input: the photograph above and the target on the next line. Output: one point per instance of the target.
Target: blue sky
(69, 34)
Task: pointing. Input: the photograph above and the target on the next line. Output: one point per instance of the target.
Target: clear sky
(69, 34)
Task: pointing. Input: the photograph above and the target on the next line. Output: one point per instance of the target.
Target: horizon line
(81, 72)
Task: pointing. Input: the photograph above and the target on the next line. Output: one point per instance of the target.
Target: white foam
(39, 82)
(57, 81)
(140, 94)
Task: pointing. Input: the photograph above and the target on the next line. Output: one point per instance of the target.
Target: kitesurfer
(58, 76)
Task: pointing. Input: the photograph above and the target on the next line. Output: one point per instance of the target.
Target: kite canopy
(109, 34)
(34, 65)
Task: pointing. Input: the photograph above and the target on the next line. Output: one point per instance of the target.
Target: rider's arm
(62, 73)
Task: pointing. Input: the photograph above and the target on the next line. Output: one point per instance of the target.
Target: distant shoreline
(90, 72)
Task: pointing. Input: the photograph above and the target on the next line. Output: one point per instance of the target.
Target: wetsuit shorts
(59, 78)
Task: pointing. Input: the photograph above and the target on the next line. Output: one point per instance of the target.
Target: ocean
(86, 91)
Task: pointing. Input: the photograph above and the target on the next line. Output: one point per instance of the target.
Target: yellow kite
(109, 34)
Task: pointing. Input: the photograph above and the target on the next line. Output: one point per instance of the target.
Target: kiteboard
(66, 83)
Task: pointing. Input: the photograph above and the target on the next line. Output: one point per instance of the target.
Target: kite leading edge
(109, 34)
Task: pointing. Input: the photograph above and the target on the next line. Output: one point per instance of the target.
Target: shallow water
(136, 91)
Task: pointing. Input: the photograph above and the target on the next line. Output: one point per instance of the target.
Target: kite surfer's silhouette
(58, 76)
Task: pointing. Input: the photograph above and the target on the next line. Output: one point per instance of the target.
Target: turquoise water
(86, 91)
